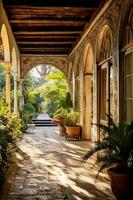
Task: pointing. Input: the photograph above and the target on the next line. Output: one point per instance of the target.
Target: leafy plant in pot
(73, 129)
(115, 152)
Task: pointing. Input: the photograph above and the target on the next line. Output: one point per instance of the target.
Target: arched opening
(5, 41)
(2, 79)
(70, 80)
(44, 89)
(1, 51)
(87, 93)
(105, 75)
(14, 73)
(126, 52)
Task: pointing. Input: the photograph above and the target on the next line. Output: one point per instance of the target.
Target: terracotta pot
(119, 183)
(62, 129)
(73, 131)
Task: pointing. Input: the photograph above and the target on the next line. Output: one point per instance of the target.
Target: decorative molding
(28, 62)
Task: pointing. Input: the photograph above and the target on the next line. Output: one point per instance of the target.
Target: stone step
(45, 125)
(45, 122)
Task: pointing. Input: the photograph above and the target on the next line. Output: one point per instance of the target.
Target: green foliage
(14, 123)
(2, 77)
(9, 131)
(56, 92)
(116, 147)
(35, 98)
(32, 99)
(3, 90)
(72, 118)
(68, 101)
(60, 116)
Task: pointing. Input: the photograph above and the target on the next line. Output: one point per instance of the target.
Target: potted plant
(115, 152)
(73, 129)
(59, 118)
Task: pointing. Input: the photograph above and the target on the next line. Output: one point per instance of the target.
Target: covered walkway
(52, 170)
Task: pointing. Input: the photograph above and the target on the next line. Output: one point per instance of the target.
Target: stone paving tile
(52, 170)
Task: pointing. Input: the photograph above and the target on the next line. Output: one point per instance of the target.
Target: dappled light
(50, 158)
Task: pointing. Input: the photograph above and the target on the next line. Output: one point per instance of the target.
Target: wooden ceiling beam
(45, 36)
(49, 45)
(19, 22)
(43, 49)
(47, 32)
(49, 10)
(46, 50)
(30, 49)
(37, 42)
(40, 40)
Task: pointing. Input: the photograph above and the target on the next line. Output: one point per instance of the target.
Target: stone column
(8, 86)
(21, 98)
(15, 95)
(73, 90)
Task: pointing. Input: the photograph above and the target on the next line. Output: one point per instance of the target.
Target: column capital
(7, 64)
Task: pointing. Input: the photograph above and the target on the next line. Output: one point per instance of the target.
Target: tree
(56, 92)
(43, 71)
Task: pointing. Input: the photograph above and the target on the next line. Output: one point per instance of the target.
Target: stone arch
(126, 57)
(87, 101)
(27, 63)
(104, 44)
(5, 41)
(125, 30)
(105, 82)
(88, 59)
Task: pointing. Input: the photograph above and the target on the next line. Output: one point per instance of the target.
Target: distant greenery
(3, 90)
(56, 93)
(32, 100)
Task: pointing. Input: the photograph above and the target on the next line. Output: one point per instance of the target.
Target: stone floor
(52, 169)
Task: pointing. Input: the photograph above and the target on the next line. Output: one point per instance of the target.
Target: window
(105, 76)
(128, 89)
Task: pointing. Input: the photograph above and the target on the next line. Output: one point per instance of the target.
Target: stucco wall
(112, 15)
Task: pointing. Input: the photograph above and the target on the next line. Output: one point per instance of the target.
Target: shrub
(72, 118)
(9, 131)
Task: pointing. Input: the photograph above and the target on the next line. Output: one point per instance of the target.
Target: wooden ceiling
(49, 26)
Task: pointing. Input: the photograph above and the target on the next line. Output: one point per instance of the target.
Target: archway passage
(44, 90)
(88, 92)
(5, 42)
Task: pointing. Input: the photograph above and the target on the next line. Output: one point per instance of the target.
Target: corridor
(52, 170)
